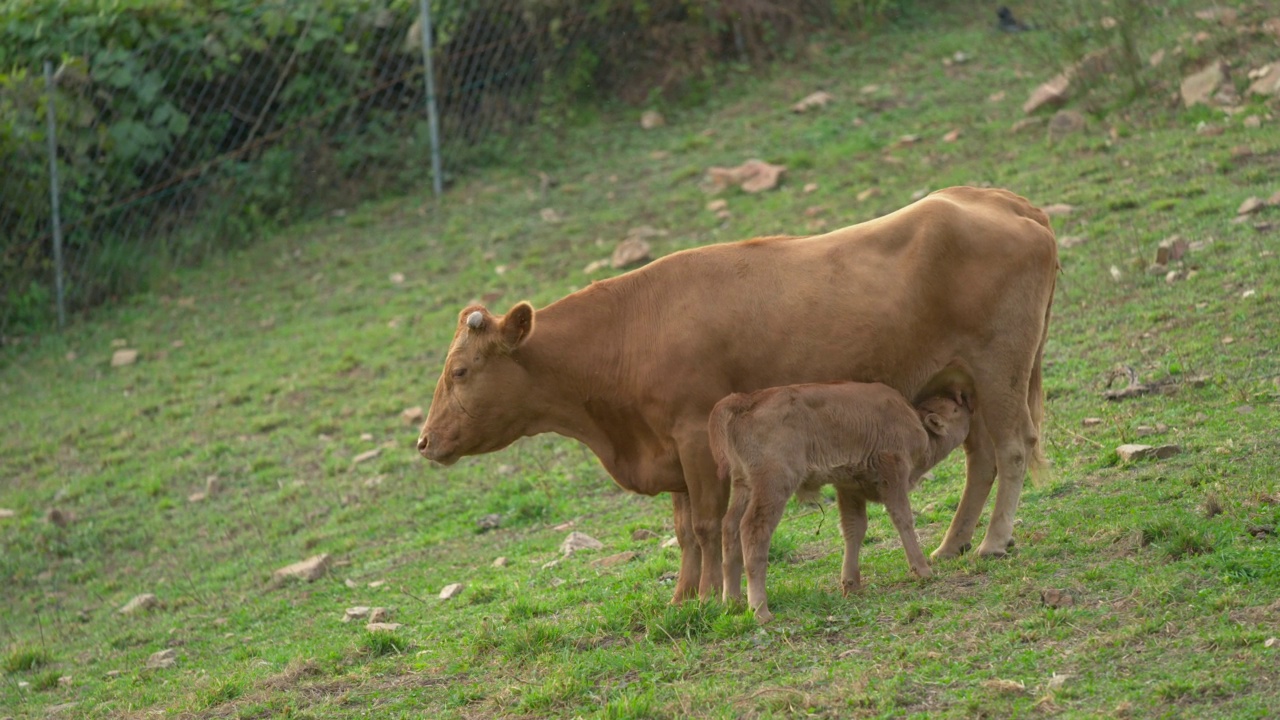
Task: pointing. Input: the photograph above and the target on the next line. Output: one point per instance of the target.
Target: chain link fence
(135, 141)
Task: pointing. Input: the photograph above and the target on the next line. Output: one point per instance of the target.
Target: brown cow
(632, 365)
(864, 438)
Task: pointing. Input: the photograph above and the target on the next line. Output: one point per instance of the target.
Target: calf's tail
(722, 415)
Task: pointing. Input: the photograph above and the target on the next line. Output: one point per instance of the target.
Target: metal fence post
(53, 191)
(433, 122)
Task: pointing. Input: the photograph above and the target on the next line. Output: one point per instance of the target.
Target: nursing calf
(863, 438)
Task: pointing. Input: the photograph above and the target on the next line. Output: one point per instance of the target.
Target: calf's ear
(517, 325)
(934, 424)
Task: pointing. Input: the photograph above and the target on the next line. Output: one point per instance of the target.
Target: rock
(1132, 452)
(196, 497)
(1199, 87)
(1065, 122)
(500, 562)
(377, 584)
(367, 437)
(630, 253)
(579, 541)
(396, 278)
(1004, 686)
(1058, 209)
(1049, 94)
(213, 485)
(812, 101)
(451, 591)
(643, 534)
(951, 136)
(6, 513)
(810, 187)
(366, 456)
(719, 204)
(59, 517)
(619, 559)
(752, 176)
(551, 563)
(489, 522)
(382, 627)
(1156, 58)
(351, 583)
(1055, 598)
(1058, 681)
(355, 613)
(1274, 200)
(671, 542)
(651, 119)
(163, 659)
(146, 601)
(309, 570)
(1025, 123)
(114, 673)
(413, 415)
(1144, 430)
(379, 614)
(120, 358)
(869, 193)
(595, 266)
(1252, 205)
(1269, 642)
(1091, 421)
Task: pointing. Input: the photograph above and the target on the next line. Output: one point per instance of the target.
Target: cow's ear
(517, 325)
(934, 424)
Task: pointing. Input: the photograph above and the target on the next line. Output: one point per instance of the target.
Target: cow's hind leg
(732, 545)
(690, 552)
(980, 473)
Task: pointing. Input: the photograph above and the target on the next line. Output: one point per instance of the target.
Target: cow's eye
(459, 372)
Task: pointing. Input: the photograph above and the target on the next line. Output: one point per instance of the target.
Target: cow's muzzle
(430, 447)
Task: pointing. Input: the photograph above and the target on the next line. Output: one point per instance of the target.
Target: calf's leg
(732, 545)
(895, 477)
(853, 526)
(770, 489)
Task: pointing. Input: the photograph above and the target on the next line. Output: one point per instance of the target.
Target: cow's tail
(1038, 463)
(724, 413)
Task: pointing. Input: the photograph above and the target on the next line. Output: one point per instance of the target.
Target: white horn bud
(475, 320)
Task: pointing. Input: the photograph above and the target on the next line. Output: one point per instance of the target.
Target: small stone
(413, 415)
(373, 482)
(120, 358)
(196, 497)
(1054, 598)
(367, 437)
(951, 136)
(351, 583)
(719, 204)
(64, 681)
(382, 627)
(810, 187)
(1049, 94)
(163, 659)
(1200, 86)
(1156, 58)
(6, 513)
(379, 614)
(671, 542)
(213, 485)
(1065, 122)
(550, 564)
(869, 193)
(1058, 209)
(1131, 452)
(309, 570)
(500, 562)
(146, 601)
(355, 613)
(1025, 123)
(595, 266)
(1144, 430)
(651, 119)
(1091, 421)
(1269, 642)
(396, 278)
(1058, 681)
(114, 673)
(121, 342)
(505, 469)
(377, 584)
(1004, 686)
(1116, 274)
(1070, 241)
(812, 101)
(630, 253)
(451, 591)
(619, 559)
(579, 541)
(59, 517)
(1274, 200)
(996, 97)
(1253, 122)
(489, 522)
(1251, 205)
(643, 534)
(365, 456)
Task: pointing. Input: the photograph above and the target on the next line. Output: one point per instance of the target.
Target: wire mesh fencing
(162, 132)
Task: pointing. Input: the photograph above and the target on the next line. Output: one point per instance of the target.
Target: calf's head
(946, 419)
(480, 401)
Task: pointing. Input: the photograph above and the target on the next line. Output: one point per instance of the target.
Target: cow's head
(479, 404)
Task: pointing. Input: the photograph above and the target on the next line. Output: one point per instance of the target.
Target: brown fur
(865, 439)
(632, 365)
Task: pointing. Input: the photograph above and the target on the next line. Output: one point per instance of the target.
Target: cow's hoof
(763, 615)
(992, 553)
(946, 553)
(923, 573)
(850, 587)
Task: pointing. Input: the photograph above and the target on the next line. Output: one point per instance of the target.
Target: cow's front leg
(708, 501)
(690, 552)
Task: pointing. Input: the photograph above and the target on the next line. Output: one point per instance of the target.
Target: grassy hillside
(272, 369)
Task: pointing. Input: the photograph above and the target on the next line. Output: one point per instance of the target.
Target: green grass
(298, 353)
